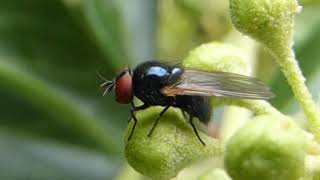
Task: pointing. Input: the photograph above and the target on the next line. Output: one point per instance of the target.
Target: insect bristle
(108, 85)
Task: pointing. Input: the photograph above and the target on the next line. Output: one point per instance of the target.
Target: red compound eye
(123, 87)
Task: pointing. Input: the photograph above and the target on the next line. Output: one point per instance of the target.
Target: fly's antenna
(107, 85)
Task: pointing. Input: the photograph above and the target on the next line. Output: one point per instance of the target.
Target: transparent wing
(221, 84)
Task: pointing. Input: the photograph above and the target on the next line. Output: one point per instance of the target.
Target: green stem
(66, 110)
(296, 80)
(258, 107)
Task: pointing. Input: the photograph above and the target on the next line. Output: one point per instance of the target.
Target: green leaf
(23, 157)
(49, 84)
(64, 109)
(106, 23)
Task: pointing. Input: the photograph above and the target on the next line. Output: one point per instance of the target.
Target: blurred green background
(54, 123)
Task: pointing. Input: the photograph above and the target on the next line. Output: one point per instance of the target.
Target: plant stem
(258, 107)
(296, 80)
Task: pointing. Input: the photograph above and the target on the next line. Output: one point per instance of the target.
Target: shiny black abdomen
(151, 76)
(196, 106)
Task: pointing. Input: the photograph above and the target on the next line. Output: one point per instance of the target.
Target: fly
(161, 84)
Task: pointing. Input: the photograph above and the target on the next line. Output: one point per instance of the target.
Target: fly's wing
(220, 84)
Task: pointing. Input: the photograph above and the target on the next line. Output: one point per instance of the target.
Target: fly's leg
(132, 111)
(195, 130)
(155, 124)
(135, 122)
(183, 113)
(132, 107)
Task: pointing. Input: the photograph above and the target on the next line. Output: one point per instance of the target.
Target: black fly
(156, 83)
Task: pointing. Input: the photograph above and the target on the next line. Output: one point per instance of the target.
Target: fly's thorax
(150, 77)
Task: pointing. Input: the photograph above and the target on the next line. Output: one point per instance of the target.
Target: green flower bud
(268, 21)
(172, 146)
(218, 57)
(267, 147)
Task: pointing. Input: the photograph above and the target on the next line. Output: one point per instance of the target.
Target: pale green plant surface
(54, 123)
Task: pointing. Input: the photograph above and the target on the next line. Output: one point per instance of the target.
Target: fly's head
(122, 85)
